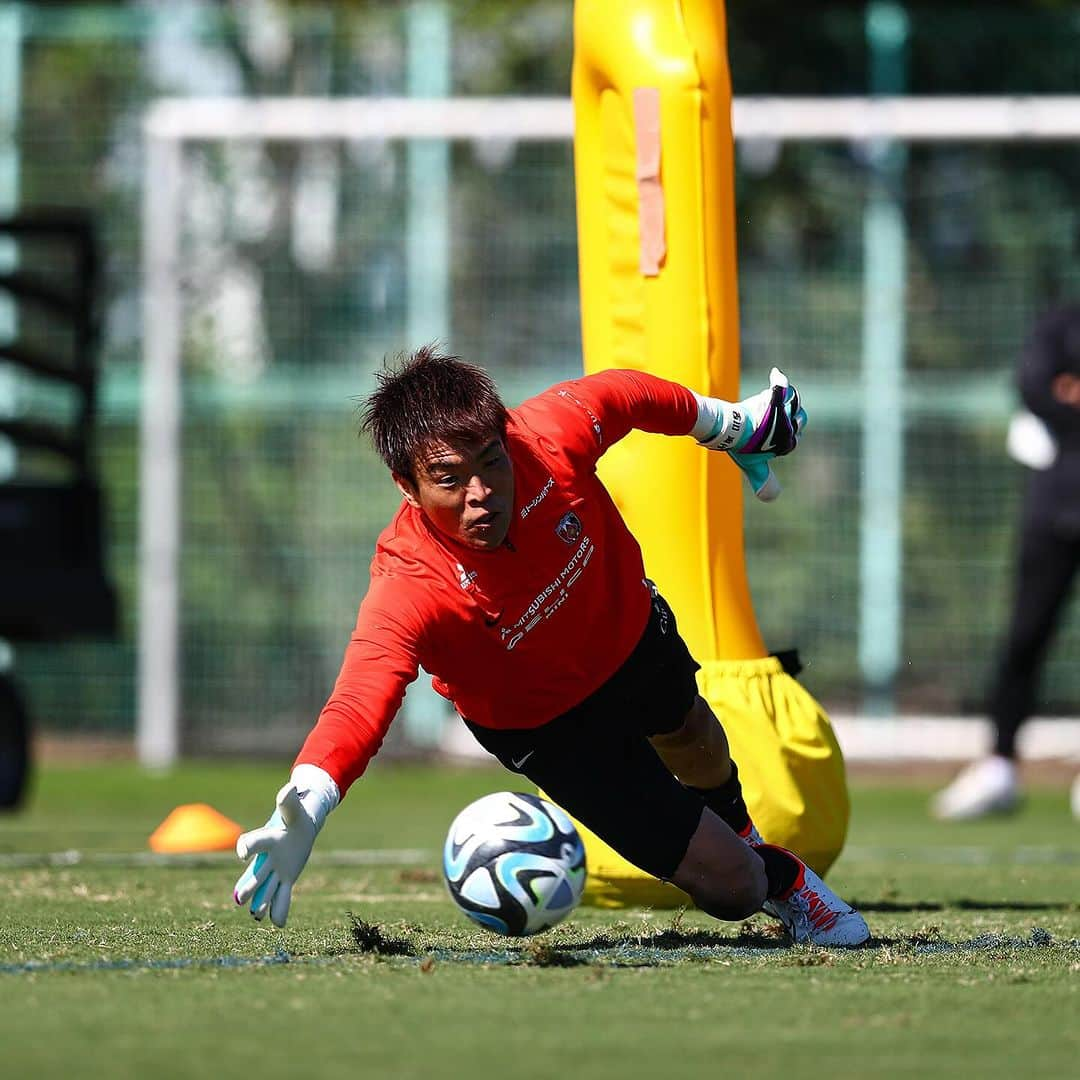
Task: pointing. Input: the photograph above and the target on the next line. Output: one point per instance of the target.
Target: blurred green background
(293, 282)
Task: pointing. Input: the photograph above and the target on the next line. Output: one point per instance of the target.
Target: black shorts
(596, 761)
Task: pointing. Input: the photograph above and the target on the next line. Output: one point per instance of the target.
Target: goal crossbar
(908, 119)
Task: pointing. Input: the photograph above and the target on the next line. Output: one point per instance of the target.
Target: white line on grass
(955, 855)
(371, 857)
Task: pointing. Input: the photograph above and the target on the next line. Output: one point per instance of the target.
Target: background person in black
(1049, 556)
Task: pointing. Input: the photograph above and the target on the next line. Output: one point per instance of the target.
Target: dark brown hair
(425, 396)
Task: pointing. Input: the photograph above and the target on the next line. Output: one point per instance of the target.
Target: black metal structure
(53, 583)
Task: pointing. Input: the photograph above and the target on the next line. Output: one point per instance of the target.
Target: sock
(781, 868)
(726, 801)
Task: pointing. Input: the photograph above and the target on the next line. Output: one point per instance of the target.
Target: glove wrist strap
(317, 790)
(721, 425)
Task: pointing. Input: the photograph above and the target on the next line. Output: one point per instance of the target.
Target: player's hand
(282, 846)
(755, 430)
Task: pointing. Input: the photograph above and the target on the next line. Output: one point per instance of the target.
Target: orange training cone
(195, 827)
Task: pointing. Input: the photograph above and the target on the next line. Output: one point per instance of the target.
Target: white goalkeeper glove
(754, 431)
(282, 846)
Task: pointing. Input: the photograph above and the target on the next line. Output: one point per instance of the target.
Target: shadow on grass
(901, 906)
(675, 939)
(627, 947)
(636, 947)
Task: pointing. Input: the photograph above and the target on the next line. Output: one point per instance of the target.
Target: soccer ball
(514, 863)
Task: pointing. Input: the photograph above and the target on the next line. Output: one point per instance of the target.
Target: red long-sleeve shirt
(516, 636)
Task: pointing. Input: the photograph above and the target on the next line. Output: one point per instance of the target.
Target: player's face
(465, 489)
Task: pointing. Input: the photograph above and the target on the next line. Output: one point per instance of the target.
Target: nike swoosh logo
(494, 620)
(518, 762)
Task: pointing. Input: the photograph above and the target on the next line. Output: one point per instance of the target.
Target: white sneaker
(988, 786)
(812, 913)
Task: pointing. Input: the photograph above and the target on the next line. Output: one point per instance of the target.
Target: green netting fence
(282, 502)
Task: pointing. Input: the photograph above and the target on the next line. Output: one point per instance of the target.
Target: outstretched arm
(379, 663)
(593, 413)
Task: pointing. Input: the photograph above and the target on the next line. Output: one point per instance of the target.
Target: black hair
(426, 396)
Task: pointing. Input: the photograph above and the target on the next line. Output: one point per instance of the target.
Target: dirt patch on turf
(1047, 773)
(53, 749)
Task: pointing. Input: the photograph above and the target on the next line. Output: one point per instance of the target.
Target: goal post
(172, 125)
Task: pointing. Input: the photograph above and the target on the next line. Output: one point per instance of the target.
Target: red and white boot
(812, 913)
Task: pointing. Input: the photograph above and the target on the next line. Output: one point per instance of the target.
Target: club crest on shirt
(569, 527)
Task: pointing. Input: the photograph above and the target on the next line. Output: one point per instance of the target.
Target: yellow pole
(681, 322)
(653, 153)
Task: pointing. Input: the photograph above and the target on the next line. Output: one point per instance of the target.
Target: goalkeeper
(509, 575)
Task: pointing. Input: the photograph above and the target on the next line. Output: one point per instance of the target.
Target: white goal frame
(170, 123)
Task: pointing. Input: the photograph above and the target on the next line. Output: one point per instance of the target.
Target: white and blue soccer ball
(514, 863)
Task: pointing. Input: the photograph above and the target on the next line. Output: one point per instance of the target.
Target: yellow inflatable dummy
(656, 234)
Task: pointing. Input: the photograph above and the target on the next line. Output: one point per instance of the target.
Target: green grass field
(113, 964)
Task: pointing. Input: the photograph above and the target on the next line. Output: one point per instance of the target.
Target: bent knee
(736, 894)
(738, 902)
